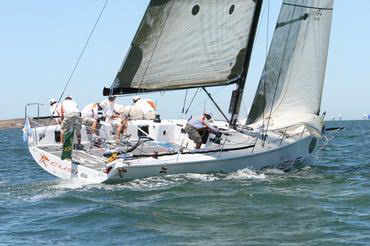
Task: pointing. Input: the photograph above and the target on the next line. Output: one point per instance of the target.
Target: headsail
(291, 84)
(185, 44)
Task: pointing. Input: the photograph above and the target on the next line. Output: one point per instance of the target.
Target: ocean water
(326, 202)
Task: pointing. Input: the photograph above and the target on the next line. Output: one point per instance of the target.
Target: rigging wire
(183, 106)
(186, 111)
(83, 51)
(78, 60)
(199, 104)
(267, 50)
(267, 27)
(329, 140)
(245, 108)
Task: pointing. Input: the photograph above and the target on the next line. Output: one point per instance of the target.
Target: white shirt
(200, 122)
(144, 106)
(55, 109)
(108, 109)
(90, 111)
(69, 107)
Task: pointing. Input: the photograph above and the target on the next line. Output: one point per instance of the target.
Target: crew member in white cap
(147, 106)
(199, 127)
(55, 110)
(70, 119)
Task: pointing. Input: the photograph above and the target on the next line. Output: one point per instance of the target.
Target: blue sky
(41, 41)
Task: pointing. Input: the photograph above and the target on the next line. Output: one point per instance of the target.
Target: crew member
(55, 110)
(111, 116)
(91, 115)
(122, 124)
(70, 119)
(147, 106)
(198, 129)
(109, 109)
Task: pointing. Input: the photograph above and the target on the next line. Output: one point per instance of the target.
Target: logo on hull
(44, 159)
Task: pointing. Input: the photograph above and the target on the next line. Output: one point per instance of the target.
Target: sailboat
(184, 44)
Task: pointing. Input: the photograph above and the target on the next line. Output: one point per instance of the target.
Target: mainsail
(292, 81)
(185, 44)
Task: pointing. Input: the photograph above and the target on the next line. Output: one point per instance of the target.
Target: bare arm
(210, 126)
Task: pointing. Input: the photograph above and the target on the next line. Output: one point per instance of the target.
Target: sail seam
(308, 7)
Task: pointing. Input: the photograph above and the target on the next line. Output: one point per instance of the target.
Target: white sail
(187, 43)
(291, 86)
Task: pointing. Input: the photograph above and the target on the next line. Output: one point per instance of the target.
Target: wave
(245, 174)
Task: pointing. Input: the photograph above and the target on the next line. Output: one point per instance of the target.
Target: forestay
(291, 84)
(185, 44)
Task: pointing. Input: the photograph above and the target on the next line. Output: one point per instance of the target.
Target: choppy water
(327, 202)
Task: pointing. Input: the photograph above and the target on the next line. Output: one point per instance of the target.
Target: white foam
(43, 191)
(55, 189)
(245, 174)
(159, 182)
(307, 167)
(201, 177)
(151, 183)
(71, 184)
(46, 195)
(273, 171)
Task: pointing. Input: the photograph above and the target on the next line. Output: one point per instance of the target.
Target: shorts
(193, 134)
(88, 121)
(70, 121)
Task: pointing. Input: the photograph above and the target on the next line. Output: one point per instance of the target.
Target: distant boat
(183, 44)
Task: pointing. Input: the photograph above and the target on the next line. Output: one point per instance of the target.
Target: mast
(237, 94)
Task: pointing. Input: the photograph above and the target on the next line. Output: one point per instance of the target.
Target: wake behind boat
(182, 45)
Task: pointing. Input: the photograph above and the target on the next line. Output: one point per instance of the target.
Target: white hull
(283, 155)
(283, 158)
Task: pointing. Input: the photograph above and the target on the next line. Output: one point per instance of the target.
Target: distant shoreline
(13, 123)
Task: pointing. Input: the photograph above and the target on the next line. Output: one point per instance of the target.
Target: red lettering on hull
(45, 160)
